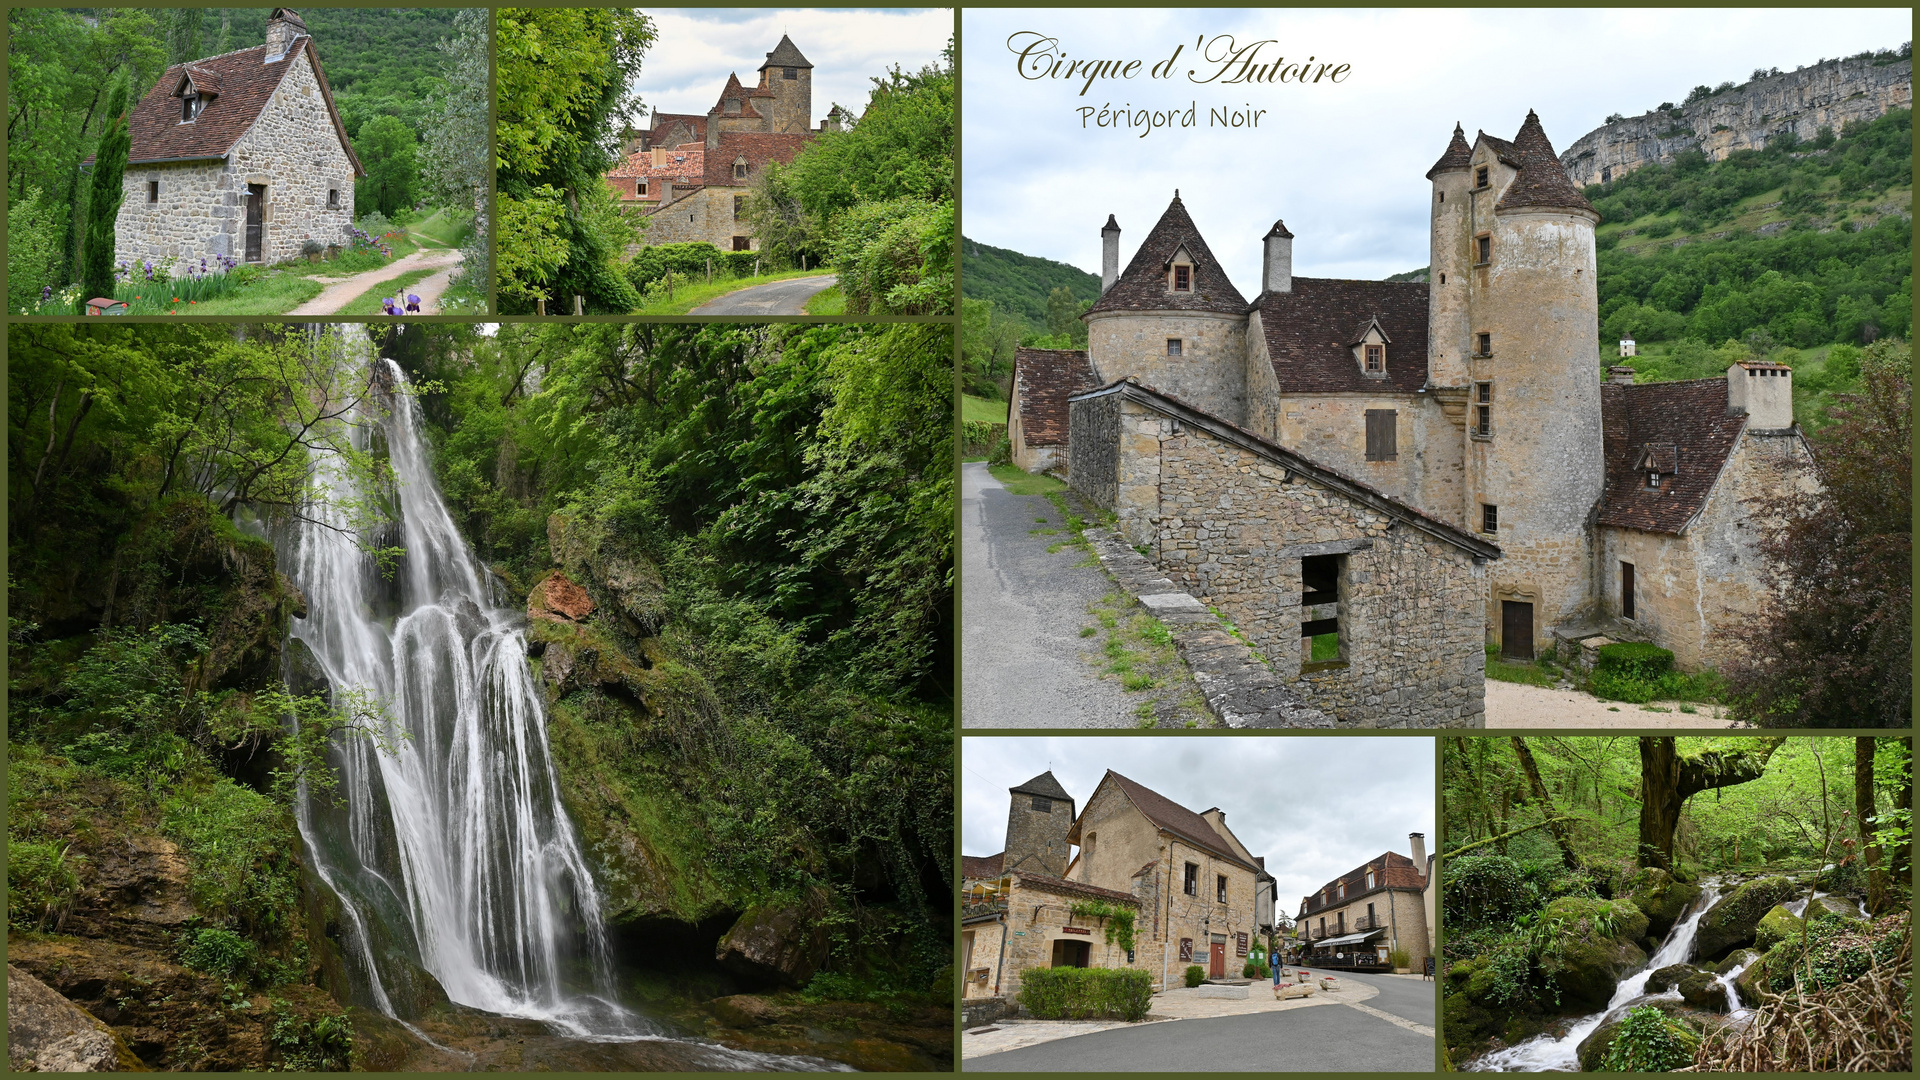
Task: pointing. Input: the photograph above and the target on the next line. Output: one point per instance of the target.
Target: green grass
(1325, 647)
(446, 228)
(982, 409)
(368, 303)
(275, 293)
(1021, 482)
(828, 301)
(1533, 674)
(688, 297)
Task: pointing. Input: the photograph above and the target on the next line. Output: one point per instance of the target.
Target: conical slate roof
(1458, 156)
(1542, 180)
(785, 54)
(1143, 285)
(1044, 786)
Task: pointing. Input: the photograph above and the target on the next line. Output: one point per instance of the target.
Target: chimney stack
(666, 190)
(1764, 392)
(283, 26)
(1278, 274)
(713, 129)
(1419, 851)
(1109, 255)
(1620, 375)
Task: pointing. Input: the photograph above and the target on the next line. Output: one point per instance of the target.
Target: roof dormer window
(739, 168)
(190, 107)
(1480, 177)
(1376, 359)
(1182, 278)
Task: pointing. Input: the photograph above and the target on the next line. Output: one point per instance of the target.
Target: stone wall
(1036, 840)
(1036, 918)
(703, 215)
(1828, 94)
(1209, 373)
(198, 214)
(1094, 460)
(979, 959)
(1332, 429)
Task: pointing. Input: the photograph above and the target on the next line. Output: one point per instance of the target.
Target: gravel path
(342, 291)
(1517, 705)
(787, 297)
(1022, 609)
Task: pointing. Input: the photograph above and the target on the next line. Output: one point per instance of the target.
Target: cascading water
(450, 850)
(1544, 1053)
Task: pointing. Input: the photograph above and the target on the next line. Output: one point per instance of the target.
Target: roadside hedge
(1070, 993)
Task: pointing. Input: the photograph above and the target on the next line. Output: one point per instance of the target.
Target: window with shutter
(1042, 805)
(1193, 879)
(1383, 435)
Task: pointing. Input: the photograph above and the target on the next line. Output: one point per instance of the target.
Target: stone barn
(239, 155)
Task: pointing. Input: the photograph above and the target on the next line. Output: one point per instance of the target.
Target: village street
(1022, 609)
(1378, 1023)
(776, 298)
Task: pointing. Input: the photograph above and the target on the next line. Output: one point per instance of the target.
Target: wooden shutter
(1383, 442)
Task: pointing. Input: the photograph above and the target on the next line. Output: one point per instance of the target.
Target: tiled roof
(1044, 786)
(1391, 870)
(1045, 379)
(1143, 285)
(1311, 331)
(662, 121)
(1166, 814)
(739, 93)
(981, 867)
(687, 173)
(758, 148)
(1542, 180)
(246, 84)
(1687, 427)
(785, 54)
(1502, 149)
(1049, 883)
(1458, 155)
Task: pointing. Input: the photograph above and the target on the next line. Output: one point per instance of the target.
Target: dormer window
(1343, 890)
(739, 168)
(190, 107)
(1369, 879)
(1653, 480)
(1376, 358)
(1183, 278)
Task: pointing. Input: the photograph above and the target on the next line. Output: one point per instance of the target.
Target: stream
(449, 849)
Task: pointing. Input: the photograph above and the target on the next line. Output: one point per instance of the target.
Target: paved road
(1022, 609)
(787, 297)
(1326, 1038)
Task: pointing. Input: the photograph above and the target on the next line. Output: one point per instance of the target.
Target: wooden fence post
(540, 306)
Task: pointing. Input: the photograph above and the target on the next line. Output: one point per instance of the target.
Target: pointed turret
(1146, 286)
(785, 54)
(1458, 154)
(1543, 181)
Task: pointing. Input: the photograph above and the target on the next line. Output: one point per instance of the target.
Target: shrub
(242, 849)
(1636, 658)
(1070, 993)
(689, 262)
(1400, 958)
(896, 257)
(1634, 671)
(1254, 969)
(41, 884)
(1486, 890)
(1650, 1041)
(218, 952)
(1196, 975)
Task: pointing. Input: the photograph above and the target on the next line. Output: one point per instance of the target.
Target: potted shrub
(312, 249)
(1401, 960)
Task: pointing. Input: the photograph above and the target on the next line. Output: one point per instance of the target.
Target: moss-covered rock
(778, 942)
(1662, 898)
(1663, 1031)
(1775, 926)
(1842, 906)
(1595, 945)
(1731, 923)
(1664, 979)
(617, 575)
(1736, 960)
(1702, 990)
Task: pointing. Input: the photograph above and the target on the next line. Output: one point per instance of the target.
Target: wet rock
(1592, 1051)
(1842, 906)
(1589, 965)
(1668, 977)
(587, 550)
(1663, 899)
(557, 599)
(48, 1033)
(1735, 960)
(1731, 922)
(1702, 990)
(783, 943)
(1777, 925)
(746, 1010)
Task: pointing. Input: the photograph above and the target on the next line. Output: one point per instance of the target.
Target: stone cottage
(1355, 920)
(1194, 893)
(1474, 399)
(690, 174)
(241, 155)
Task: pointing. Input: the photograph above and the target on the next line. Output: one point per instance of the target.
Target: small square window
(789, 73)
(333, 198)
(1173, 346)
(1653, 480)
(1480, 177)
(1183, 278)
(1489, 518)
(1483, 246)
(1376, 358)
(639, 187)
(1483, 344)
(742, 243)
(153, 191)
(1042, 805)
(740, 171)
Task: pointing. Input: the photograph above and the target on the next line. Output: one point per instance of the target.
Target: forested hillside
(1019, 285)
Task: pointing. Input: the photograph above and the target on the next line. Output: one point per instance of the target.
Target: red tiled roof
(759, 148)
(740, 93)
(1458, 154)
(662, 121)
(246, 84)
(1143, 286)
(1166, 814)
(1542, 180)
(687, 173)
(1048, 883)
(1045, 379)
(1310, 334)
(1391, 870)
(981, 867)
(1686, 426)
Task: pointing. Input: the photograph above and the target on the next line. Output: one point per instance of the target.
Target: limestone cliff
(1827, 94)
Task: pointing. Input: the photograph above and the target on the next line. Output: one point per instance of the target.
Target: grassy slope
(828, 301)
(1019, 284)
(979, 408)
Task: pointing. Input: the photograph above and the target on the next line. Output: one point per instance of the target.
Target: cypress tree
(103, 207)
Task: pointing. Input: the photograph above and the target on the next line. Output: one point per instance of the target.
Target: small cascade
(1734, 1008)
(1544, 1053)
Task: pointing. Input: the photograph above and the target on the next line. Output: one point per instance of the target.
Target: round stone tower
(1448, 334)
(1530, 316)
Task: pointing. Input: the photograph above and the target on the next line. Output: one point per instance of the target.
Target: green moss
(1775, 926)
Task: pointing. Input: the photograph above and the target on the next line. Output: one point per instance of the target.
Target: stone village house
(1356, 919)
(1197, 895)
(1419, 467)
(690, 174)
(241, 155)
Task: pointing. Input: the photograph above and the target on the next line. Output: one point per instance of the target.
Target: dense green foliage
(1020, 285)
(103, 200)
(1195, 975)
(1072, 993)
(386, 146)
(1649, 1041)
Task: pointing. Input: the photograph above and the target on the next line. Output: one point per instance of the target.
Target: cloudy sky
(1344, 165)
(1315, 807)
(697, 47)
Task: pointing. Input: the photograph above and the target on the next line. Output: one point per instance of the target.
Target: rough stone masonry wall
(294, 149)
(1035, 920)
(1036, 840)
(1219, 519)
(1210, 372)
(193, 218)
(1093, 460)
(704, 215)
(1200, 916)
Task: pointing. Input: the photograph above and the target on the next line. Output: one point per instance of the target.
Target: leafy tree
(385, 146)
(103, 205)
(1063, 315)
(456, 164)
(1835, 648)
(34, 226)
(1668, 778)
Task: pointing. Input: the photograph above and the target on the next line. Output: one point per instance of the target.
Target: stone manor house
(1412, 470)
(1358, 918)
(1196, 894)
(690, 174)
(241, 155)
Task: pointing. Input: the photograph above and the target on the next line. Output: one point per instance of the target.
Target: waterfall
(1544, 1053)
(451, 852)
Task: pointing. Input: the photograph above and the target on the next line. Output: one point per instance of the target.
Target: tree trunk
(1863, 815)
(1503, 837)
(1668, 778)
(1556, 823)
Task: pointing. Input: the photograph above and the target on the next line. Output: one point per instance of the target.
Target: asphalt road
(1325, 1038)
(1021, 612)
(787, 297)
